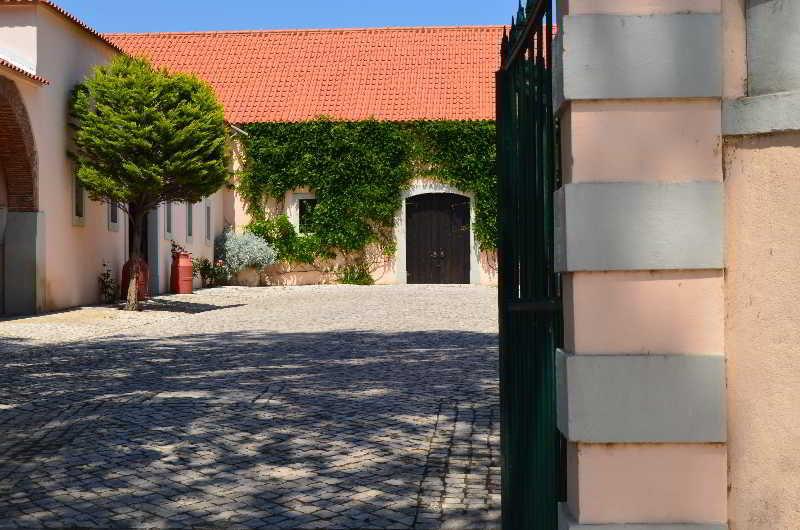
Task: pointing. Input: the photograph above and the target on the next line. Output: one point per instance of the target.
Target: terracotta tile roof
(7, 65)
(63, 13)
(393, 74)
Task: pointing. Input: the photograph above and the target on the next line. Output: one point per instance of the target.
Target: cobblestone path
(320, 407)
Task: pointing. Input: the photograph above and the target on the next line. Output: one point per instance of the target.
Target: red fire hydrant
(181, 279)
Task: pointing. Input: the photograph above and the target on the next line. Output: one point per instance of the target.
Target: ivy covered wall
(358, 171)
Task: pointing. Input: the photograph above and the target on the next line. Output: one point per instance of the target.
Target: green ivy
(358, 171)
(289, 246)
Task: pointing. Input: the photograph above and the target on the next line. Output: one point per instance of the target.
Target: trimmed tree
(144, 137)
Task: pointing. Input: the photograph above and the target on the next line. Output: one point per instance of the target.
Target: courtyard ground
(310, 407)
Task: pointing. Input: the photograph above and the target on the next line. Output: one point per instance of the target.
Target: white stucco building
(54, 239)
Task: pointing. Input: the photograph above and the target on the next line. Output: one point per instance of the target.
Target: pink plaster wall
(665, 312)
(612, 141)
(663, 483)
(763, 330)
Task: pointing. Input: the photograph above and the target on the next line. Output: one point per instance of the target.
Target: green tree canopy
(144, 136)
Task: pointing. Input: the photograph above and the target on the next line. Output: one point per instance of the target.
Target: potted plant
(182, 276)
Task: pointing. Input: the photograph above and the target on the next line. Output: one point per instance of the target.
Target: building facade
(54, 239)
(389, 74)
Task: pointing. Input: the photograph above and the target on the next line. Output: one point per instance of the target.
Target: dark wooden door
(437, 238)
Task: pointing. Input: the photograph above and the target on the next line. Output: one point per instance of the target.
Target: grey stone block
(773, 46)
(641, 398)
(639, 226)
(772, 113)
(656, 56)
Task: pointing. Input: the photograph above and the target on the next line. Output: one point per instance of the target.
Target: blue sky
(187, 15)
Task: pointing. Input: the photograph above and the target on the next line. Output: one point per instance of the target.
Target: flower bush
(109, 289)
(242, 251)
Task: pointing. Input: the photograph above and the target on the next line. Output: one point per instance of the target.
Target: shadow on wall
(262, 420)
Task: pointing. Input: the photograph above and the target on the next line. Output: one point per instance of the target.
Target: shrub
(241, 251)
(204, 268)
(109, 290)
(355, 274)
(289, 246)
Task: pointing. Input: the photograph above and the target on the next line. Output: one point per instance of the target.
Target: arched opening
(19, 218)
(438, 239)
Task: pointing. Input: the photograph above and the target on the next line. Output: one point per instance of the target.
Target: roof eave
(22, 74)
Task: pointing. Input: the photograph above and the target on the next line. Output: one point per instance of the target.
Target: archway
(19, 217)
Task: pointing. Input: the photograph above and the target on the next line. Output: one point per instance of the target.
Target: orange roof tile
(392, 74)
(8, 65)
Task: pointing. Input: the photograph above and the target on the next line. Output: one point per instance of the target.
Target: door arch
(19, 204)
(438, 239)
(17, 150)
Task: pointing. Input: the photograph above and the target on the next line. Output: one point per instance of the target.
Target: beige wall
(199, 245)
(763, 330)
(74, 254)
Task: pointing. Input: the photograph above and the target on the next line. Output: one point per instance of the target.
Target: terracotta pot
(181, 279)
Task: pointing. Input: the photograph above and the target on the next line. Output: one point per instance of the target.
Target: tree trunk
(132, 303)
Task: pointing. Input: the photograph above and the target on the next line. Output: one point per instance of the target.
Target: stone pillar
(639, 224)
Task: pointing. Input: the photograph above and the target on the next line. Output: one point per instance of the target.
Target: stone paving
(317, 407)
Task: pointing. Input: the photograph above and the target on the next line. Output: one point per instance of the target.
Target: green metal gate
(530, 296)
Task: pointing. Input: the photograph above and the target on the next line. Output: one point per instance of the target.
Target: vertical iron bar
(532, 457)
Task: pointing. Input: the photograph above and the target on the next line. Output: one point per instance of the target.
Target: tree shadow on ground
(182, 306)
(340, 429)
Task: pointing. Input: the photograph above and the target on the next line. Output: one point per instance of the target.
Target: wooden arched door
(437, 238)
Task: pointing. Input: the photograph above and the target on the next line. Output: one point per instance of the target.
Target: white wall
(18, 36)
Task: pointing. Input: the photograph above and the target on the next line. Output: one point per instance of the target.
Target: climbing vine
(358, 171)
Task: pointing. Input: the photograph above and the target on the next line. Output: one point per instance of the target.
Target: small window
(189, 221)
(113, 217)
(208, 221)
(306, 214)
(168, 220)
(78, 203)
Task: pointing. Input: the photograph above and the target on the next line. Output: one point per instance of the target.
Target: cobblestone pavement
(320, 407)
